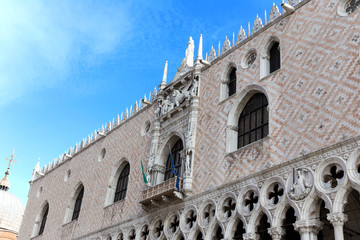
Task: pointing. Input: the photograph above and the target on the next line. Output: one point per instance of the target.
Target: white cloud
(41, 39)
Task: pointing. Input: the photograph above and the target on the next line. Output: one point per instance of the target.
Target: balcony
(162, 193)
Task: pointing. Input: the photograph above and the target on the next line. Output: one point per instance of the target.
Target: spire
(4, 183)
(200, 50)
(163, 83)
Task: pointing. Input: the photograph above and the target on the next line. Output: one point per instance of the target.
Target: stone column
(308, 229)
(276, 232)
(338, 220)
(250, 236)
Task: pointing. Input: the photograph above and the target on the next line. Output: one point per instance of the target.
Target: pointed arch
(228, 81)
(162, 157)
(72, 211)
(40, 220)
(121, 172)
(239, 104)
(270, 56)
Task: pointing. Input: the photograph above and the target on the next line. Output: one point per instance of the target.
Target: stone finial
(212, 54)
(94, 135)
(249, 32)
(241, 35)
(122, 117)
(108, 127)
(131, 111)
(226, 46)
(257, 24)
(265, 17)
(136, 107)
(117, 121)
(76, 148)
(36, 170)
(145, 98)
(163, 83)
(189, 53)
(200, 50)
(88, 140)
(219, 50)
(154, 93)
(274, 13)
(126, 116)
(233, 42)
(102, 129)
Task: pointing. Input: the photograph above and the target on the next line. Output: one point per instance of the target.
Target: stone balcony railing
(162, 192)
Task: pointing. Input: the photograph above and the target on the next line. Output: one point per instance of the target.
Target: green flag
(144, 176)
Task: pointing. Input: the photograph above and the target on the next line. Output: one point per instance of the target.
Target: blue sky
(67, 67)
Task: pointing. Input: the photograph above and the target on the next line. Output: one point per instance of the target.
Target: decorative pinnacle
(163, 83)
(199, 56)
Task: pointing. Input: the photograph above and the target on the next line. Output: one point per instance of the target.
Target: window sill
(270, 74)
(114, 203)
(249, 145)
(69, 223)
(227, 98)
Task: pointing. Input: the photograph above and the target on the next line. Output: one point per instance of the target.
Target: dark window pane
(253, 121)
(232, 82)
(121, 186)
(274, 57)
(175, 152)
(77, 206)
(43, 221)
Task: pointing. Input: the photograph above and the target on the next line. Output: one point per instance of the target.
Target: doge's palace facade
(264, 135)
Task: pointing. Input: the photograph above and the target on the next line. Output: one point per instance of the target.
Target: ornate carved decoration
(226, 46)
(337, 218)
(274, 13)
(212, 54)
(351, 6)
(275, 194)
(301, 184)
(241, 35)
(333, 176)
(293, 2)
(257, 24)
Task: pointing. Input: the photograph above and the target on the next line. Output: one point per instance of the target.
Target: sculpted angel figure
(301, 185)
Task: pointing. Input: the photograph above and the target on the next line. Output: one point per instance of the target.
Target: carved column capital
(308, 226)
(337, 218)
(250, 236)
(276, 232)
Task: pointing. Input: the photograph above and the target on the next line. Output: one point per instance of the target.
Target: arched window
(275, 57)
(232, 82)
(122, 183)
(175, 152)
(270, 58)
(77, 206)
(43, 220)
(254, 120)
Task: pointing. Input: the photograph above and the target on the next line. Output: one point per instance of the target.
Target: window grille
(254, 120)
(121, 186)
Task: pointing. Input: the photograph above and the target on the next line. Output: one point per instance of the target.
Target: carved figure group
(301, 186)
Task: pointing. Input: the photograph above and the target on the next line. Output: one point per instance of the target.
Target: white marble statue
(301, 185)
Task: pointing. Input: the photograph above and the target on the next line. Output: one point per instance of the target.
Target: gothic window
(43, 220)
(77, 206)
(175, 152)
(274, 57)
(254, 120)
(232, 82)
(270, 58)
(122, 183)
